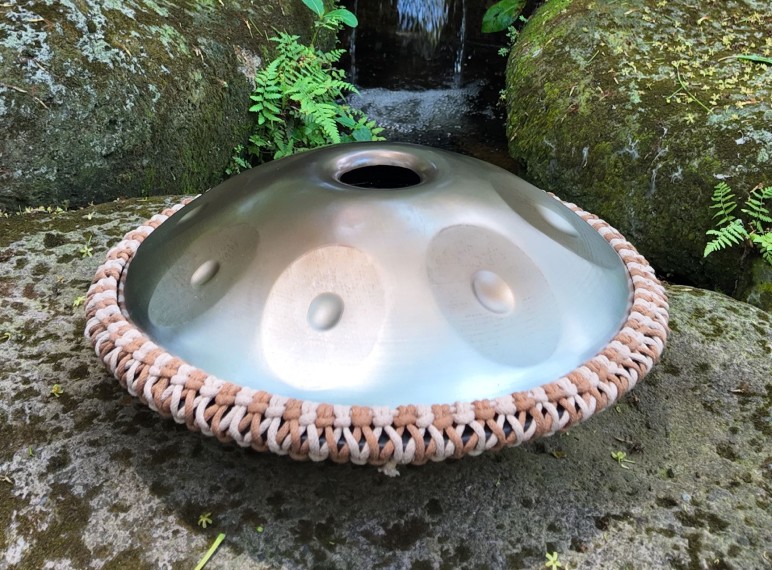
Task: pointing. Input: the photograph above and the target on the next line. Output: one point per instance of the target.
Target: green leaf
(347, 121)
(362, 134)
(501, 15)
(755, 58)
(342, 15)
(316, 6)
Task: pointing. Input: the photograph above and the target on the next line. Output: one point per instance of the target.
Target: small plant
(56, 390)
(300, 98)
(78, 301)
(552, 561)
(621, 458)
(730, 230)
(237, 162)
(512, 34)
(87, 250)
(204, 520)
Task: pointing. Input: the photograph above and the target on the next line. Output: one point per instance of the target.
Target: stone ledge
(93, 479)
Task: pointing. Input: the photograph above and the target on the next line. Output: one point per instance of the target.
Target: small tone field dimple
(204, 273)
(325, 311)
(492, 292)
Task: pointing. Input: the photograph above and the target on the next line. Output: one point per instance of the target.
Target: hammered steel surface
(379, 274)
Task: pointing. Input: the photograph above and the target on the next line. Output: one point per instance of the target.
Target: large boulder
(636, 109)
(90, 478)
(106, 99)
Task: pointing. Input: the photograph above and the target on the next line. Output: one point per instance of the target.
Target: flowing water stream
(428, 75)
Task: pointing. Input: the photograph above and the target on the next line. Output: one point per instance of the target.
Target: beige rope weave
(376, 435)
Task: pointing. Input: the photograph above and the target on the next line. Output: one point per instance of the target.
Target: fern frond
(754, 205)
(766, 193)
(732, 234)
(299, 101)
(323, 115)
(764, 244)
(724, 203)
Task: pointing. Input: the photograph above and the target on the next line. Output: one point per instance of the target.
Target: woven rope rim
(361, 434)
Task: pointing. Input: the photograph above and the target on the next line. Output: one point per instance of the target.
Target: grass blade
(211, 551)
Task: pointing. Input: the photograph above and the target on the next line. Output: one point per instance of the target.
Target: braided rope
(377, 435)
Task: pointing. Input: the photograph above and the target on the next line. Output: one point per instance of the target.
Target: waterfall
(352, 48)
(428, 17)
(459, 63)
(428, 75)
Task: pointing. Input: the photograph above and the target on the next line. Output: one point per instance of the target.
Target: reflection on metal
(379, 274)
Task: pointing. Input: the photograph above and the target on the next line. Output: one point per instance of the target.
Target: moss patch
(121, 99)
(635, 109)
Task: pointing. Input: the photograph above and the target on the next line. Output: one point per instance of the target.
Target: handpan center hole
(381, 177)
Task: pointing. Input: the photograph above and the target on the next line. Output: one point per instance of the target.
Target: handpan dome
(386, 277)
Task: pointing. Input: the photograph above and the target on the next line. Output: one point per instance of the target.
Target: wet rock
(107, 99)
(636, 109)
(91, 478)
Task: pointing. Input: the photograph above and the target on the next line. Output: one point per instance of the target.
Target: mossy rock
(92, 478)
(636, 109)
(106, 99)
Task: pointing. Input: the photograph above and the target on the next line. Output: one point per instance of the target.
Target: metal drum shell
(618, 361)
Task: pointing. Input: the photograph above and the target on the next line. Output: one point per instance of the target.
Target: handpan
(378, 303)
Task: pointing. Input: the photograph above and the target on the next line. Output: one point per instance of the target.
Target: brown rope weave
(378, 435)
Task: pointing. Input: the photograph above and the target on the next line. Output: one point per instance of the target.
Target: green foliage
(502, 15)
(316, 6)
(238, 161)
(755, 208)
(300, 98)
(730, 230)
(512, 34)
(756, 58)
(724, 202)
(763, 243)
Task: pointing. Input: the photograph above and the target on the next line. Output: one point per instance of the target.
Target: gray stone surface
(636, 109)
(92, 479)
(101, 99)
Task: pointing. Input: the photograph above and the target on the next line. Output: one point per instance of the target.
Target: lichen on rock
(106, 99)
(636, 109)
